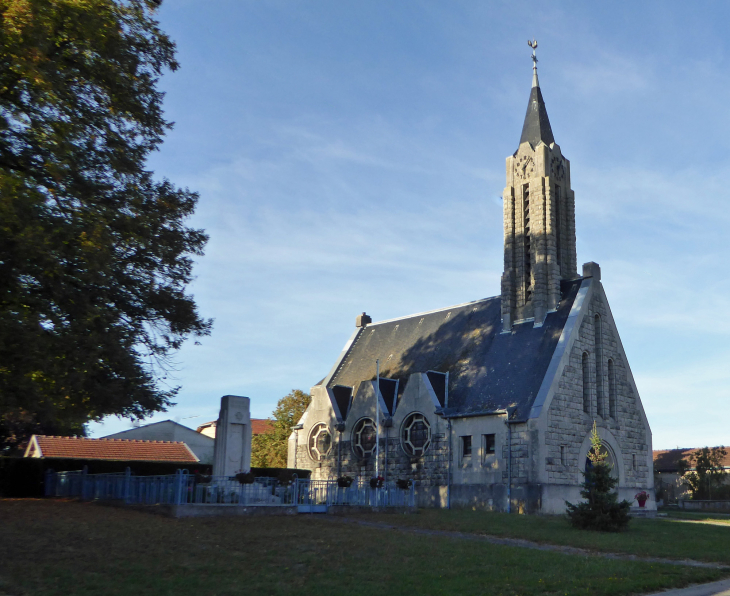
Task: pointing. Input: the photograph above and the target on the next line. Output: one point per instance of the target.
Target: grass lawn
(659, 537)
(63, 548)
(699, 516)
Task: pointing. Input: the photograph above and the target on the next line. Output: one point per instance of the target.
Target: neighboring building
(168, 430)
(42, 446)
(667, 476)
(259, 426)
(490, 403)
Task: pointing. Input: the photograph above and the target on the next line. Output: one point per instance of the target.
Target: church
(490, 404)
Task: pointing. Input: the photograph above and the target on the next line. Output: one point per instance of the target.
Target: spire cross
(533, 45)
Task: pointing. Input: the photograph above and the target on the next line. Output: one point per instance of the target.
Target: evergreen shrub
(601, 510)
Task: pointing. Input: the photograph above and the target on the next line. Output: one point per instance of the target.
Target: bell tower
(539, 219)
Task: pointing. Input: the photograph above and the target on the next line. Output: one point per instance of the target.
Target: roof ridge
(430, 312)
(110, 439)
(347, 354)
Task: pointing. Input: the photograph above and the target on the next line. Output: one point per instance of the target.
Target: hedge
(22, 477)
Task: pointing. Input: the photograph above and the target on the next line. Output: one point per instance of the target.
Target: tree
(601, 510)
(94, 253)
(269, 450)
(702, 470)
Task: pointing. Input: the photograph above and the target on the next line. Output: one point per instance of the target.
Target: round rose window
(364, 437)
(320, 442)
(416, 435)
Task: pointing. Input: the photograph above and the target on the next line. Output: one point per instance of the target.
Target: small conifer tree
(601, 509)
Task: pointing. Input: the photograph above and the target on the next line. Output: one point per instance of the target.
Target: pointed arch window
(611, 389)
(586, 384)
(598, 352)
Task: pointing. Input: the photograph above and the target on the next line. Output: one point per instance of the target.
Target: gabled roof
(174, 428)
(50, 447)
(667, 460)
(537, 125)
(488, 370)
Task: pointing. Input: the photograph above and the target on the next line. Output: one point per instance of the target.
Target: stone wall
(428, 470)
(568, 425)
(539, 229)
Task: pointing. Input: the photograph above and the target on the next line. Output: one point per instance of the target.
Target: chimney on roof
(592, 270)
(362, 320)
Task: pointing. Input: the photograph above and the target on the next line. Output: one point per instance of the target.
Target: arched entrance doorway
(610, 460)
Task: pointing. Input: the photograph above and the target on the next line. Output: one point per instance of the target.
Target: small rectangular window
(466, 446)
(562, 455)
(489, 444)
(633, 461)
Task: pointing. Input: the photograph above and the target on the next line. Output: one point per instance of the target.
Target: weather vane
(533, 45)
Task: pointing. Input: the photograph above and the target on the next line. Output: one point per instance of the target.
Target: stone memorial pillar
(233, 437)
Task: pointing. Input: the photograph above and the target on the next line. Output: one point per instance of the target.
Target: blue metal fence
(182, 488)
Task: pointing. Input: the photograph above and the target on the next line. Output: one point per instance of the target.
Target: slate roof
(537, 125)
(667, 460)
(110, 449)
(488, 370)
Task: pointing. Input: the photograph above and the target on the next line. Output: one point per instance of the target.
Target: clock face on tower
(557, 168)
(524, 167)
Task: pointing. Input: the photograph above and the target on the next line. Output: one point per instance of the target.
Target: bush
(377, 482)
(601, 511)
(283, 475)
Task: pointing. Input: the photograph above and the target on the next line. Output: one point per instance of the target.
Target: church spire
(539, 220)
(537, 125)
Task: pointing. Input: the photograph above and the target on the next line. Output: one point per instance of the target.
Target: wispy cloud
(352, 159)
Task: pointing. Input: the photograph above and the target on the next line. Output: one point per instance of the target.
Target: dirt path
(520, 543)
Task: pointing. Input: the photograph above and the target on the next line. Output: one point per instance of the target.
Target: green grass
(62, 548)
(699, 516)
(645, 537)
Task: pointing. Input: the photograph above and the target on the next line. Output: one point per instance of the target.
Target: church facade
(490, 404)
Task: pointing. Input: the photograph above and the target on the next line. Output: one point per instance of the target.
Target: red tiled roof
(667, 460)
(259, 426)
(109, 449)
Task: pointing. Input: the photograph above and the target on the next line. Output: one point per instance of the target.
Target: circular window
(364, 437)
(320, 442)
(416, 435)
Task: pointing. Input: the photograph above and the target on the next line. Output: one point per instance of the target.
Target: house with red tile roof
(667, 478)
(50, 447)
(168, 430)
(259, 426)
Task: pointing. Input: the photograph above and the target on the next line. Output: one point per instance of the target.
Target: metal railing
(183, 488)
(328, 492)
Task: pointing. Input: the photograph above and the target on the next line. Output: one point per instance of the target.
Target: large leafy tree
(703, 472)
(269, 450)
(94, 253)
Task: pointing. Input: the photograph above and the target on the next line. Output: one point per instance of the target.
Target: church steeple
(539, 219)
(537, 125)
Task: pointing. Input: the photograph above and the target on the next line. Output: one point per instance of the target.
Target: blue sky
(350, 157)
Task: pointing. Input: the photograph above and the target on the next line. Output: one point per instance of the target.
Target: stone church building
(489, 404)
